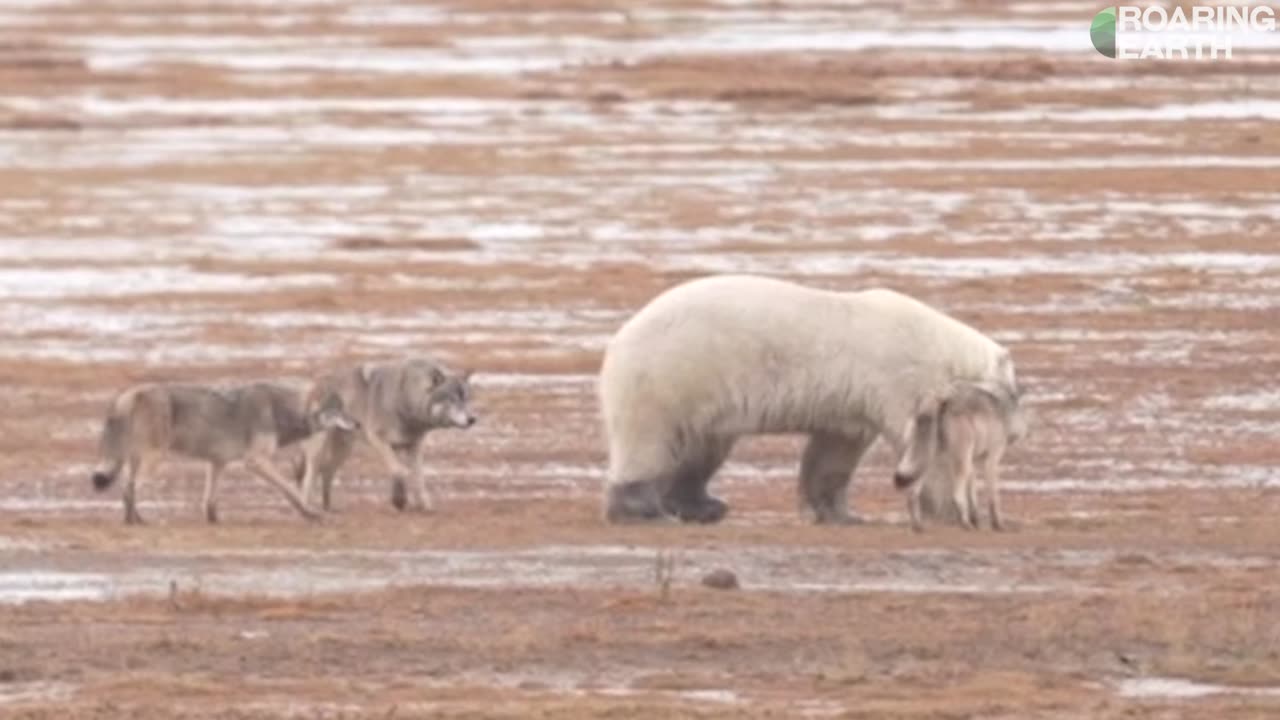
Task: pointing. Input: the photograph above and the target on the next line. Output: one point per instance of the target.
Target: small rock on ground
(721, 579)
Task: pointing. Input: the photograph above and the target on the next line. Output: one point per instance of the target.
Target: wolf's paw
(399, 493)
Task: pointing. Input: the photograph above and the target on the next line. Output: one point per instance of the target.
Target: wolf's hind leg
(687, 498)
(264, 469)
(337, 450)
(139, 468)
(212, 475)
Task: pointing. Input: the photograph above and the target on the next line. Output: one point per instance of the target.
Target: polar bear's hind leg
(687, 497)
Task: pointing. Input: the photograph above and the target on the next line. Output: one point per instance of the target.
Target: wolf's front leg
(212, 474)
(304, 470)
(423, 499)
(399, 468)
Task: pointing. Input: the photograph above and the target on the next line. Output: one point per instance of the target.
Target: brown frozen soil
(231, 190)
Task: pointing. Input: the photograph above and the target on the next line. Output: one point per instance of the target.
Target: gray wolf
(397, 403)
(243, 423)
(975, 425)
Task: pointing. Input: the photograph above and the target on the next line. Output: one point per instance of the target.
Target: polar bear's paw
(633, 502)
(706, 510)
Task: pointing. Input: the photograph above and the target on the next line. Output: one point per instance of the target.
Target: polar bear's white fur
(720, 357)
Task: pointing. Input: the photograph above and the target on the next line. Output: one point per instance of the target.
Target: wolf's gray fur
(243, 423)
(397, 404)
(975, 424)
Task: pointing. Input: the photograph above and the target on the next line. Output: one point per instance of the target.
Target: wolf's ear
(366, 372)
(1001, 393)
(320, 399)
(335, 418)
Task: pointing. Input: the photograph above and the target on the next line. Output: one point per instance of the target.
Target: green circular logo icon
(1103, 32)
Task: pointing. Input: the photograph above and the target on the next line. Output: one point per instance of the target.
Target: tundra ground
(245, 189)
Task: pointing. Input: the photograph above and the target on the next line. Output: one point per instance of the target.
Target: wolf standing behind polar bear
(716, 358)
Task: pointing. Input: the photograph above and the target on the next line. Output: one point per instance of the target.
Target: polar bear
(719, 357)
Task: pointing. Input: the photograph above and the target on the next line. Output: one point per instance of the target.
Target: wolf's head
(326, 412)
(921, 446)
(438, 397)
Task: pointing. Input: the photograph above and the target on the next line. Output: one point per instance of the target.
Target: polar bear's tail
(640, 449)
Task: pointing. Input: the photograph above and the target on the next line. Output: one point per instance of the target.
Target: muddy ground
(217, 191)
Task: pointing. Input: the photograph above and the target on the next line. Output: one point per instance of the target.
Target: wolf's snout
(460, 417)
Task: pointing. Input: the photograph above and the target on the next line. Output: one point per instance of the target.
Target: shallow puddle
(34, 692)
(301, 572)
(1181, 689)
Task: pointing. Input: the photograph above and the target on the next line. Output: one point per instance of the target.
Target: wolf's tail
(113, 446)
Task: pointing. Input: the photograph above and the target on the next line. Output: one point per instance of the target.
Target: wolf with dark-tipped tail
(221, 426)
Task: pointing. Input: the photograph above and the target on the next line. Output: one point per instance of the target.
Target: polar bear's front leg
(826, 468)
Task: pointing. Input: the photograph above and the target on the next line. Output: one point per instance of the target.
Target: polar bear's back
(736, 353)
(763, 320)
(719, 309)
